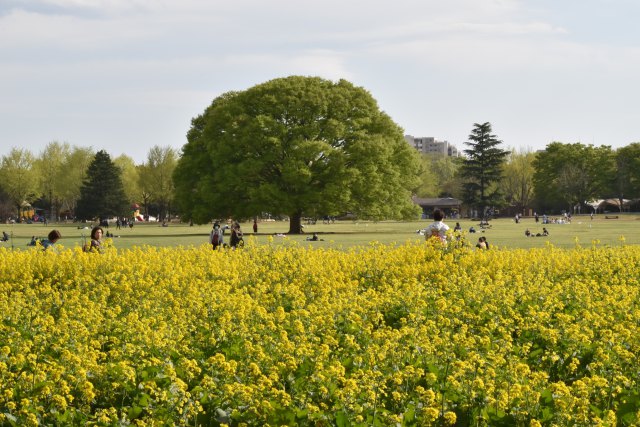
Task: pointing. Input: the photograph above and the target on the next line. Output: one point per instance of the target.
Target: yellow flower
(450, 418)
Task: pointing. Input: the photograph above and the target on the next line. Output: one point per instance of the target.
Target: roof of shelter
(603, 202)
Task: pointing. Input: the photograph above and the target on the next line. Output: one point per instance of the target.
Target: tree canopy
(482, 168)
(155, 178)
(517, 182)
(50, 167)
(298, 146)
(18, 178)
(102, 194)
(570, 174)
(626, 182)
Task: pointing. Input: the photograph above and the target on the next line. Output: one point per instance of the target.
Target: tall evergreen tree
(482, 168)
(102, 193)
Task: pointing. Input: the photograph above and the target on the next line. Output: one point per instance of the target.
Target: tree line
(70, 182)
(309, 147)
(562, 177)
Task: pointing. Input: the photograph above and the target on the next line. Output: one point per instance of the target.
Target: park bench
(611, 217)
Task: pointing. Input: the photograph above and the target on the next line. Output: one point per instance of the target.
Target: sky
(126, 75)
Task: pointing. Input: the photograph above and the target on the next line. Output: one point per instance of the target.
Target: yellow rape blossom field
(379, 335)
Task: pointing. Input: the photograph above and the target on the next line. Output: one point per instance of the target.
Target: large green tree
(192, 173)
(300, 146)
(568, 175)
(482, 168)
(102, 194)
(18, 178)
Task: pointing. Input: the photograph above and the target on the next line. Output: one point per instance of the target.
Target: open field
(504, 233)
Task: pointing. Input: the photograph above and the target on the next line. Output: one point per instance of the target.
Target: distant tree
(568, 175)
(75, 171)
(51, 168)
(156, 178)
(145, 186)
(7, 208)
(102, 194)
(439, 176)
(626, 182)
(428, 186)
(299, 146)
(18, 179)
(482, 168)
(517, 181)
(130, 177)
(446, 170)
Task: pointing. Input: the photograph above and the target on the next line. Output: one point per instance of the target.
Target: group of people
(94, 245)
(564, 219)
(528, 233)
(52, 239)
(216, 237)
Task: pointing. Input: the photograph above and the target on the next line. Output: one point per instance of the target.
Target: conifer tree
(102, 193)
(482, 168)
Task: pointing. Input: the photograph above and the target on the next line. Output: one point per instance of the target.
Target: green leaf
(134, 412)
(409, 415)
(341, 419)
(12, 419)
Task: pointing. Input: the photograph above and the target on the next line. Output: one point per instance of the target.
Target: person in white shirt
(438, 228)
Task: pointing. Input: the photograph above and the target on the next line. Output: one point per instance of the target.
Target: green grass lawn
(504, 233)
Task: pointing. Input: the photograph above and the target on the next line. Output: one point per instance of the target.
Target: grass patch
(504, 233)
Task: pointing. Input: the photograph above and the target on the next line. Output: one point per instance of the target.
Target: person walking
(236, 236)
(216, 237)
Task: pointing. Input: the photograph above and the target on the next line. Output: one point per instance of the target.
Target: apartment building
(429, 145)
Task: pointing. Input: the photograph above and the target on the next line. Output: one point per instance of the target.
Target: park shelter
(609, 205)
(450, 206)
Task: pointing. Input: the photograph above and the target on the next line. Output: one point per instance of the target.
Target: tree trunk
(295, 223)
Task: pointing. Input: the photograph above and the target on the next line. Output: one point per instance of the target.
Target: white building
(428, 145)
